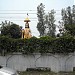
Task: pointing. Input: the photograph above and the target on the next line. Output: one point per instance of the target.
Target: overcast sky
(30, 6)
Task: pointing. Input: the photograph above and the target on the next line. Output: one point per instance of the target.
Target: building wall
(55, 62)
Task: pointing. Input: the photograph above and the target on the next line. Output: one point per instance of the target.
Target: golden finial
(27, 19)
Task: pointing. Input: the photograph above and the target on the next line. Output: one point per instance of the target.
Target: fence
(57, 62)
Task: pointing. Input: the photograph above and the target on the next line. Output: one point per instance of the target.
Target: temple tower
(26, 33)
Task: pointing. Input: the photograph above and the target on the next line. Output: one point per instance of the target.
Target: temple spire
(26, 33)
(27, 19)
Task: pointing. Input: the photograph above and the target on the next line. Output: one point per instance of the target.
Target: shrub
(41, 45)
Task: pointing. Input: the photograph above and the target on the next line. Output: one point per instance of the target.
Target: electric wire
(22, 13)
(27, 10)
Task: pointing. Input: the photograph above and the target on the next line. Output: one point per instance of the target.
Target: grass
(45, 73)
(37, 73)
(66, 73)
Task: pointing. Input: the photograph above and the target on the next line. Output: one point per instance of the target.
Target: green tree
(51, 25)
(10, 29)
(40, 15)
(68, 18)
(73, 14)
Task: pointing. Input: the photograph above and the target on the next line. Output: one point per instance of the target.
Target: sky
(19, 9)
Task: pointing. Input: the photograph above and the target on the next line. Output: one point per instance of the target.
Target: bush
(41, 45)
(38, 69)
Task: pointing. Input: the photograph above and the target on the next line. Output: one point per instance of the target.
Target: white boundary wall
(54, 61)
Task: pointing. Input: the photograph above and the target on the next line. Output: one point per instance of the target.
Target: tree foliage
(40, 15)
(11, 30)
(45, 26)
(68, 18)
(51, 23)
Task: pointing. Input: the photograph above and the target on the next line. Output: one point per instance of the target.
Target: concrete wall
(55, 62)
